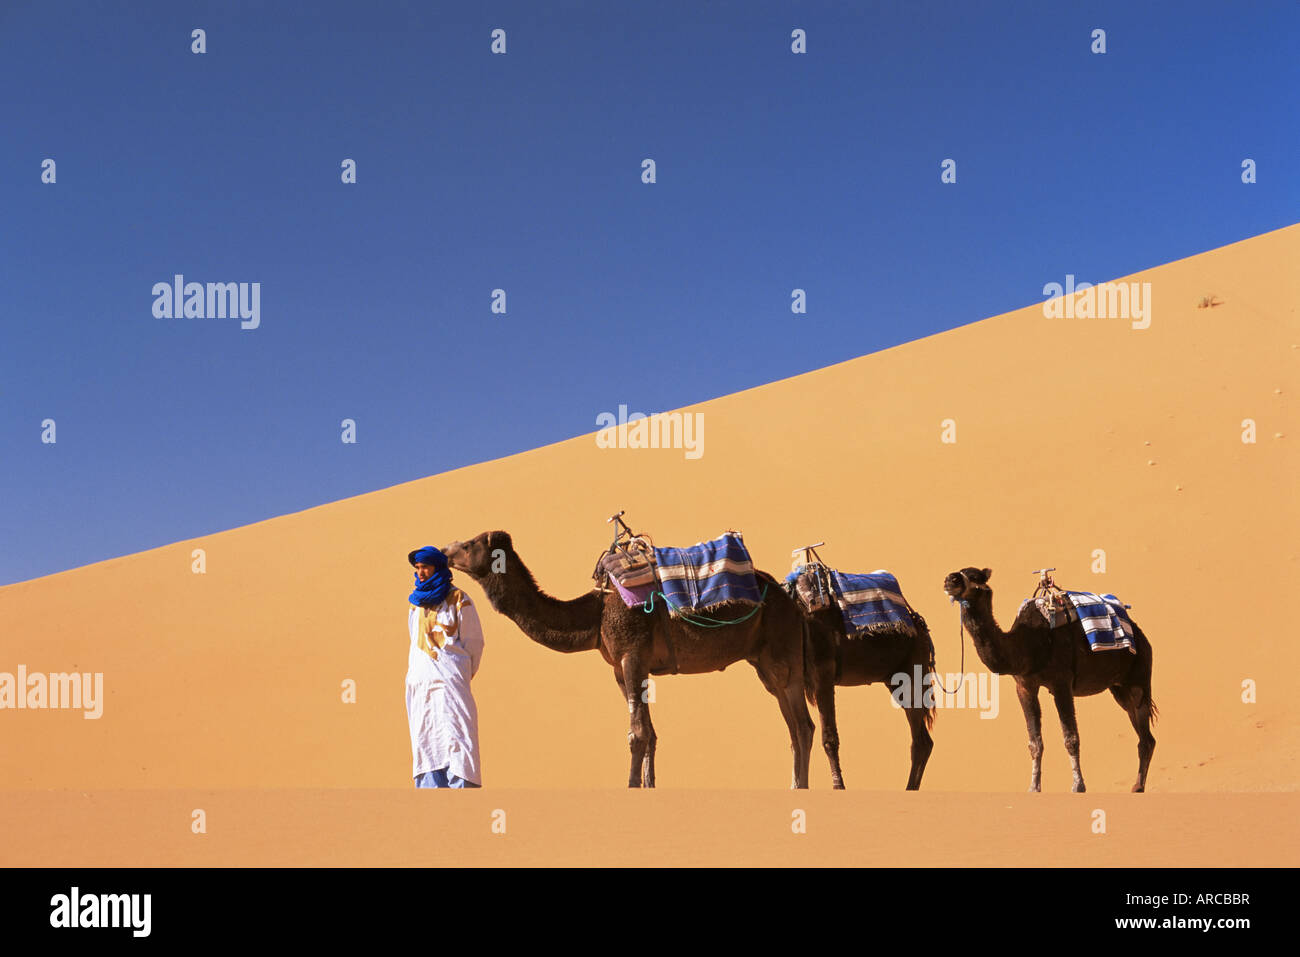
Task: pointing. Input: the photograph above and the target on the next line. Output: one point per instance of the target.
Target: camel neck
(565, 626)
(994, 646)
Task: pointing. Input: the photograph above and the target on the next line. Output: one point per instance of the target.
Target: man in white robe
(446, 650)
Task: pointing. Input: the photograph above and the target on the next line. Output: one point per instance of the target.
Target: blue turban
(430, 593)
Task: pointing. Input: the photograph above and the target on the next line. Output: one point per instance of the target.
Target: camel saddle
(707, 575)
(1054, 605)
(1104, 618)
(630, 567)
(1051, 600)
(690, 580)
(821, 590)
(869, 603)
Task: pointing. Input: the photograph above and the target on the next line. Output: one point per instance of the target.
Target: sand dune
(1071, 435)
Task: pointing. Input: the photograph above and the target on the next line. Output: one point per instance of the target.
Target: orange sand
(612, 828)
(221, 681)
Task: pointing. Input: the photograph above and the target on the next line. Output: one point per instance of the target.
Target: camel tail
(932, 711)
(1146, 686)
(931, 666)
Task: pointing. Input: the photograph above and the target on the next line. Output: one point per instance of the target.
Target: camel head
(476, 556)
(967, 583)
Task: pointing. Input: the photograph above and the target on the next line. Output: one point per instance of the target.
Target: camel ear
(988, 573)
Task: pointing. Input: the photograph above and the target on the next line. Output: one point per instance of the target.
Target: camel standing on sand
(832, 658)
(637, 644)
(1061, 660)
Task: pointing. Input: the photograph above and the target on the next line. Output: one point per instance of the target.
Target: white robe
(439, 706)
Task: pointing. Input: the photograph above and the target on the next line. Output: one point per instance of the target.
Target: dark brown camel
(1060, 660)
(832, 658)
(636, 644)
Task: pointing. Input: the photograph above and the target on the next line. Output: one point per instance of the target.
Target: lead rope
(702, 622)
(961, 639)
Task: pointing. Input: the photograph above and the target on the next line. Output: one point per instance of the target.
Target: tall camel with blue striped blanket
(638, 645)
(839, 654)
(1060, 659)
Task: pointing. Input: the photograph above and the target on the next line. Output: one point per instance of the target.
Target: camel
(1060, 660)
(832, 658)
(638, 645)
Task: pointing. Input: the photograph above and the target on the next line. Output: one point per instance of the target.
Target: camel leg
(632, 674)
(1064, 698)
(1034, 722)
(824, 694)
(622, 687)
(794, 708)
(786, 685)
(922, 745)
(1140, 717)
(920, 715)
(648, 764)
(618, 676)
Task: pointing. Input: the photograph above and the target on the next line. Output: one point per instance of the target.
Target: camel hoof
(1138, 789)
(1079, 788)
(838, 787)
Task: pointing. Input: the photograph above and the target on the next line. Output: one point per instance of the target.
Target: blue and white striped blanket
(1105, 621)
(697, 578)
(872, 603)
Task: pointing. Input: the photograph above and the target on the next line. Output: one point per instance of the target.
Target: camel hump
(1105, 621)
(708, 574)
(1104, 618)
(873, 604)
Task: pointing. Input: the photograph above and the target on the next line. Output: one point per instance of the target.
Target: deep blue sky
(522, 171)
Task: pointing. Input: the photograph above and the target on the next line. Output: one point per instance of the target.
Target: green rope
(649, 608)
